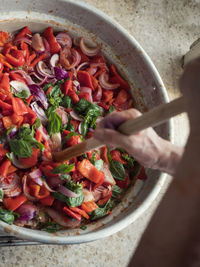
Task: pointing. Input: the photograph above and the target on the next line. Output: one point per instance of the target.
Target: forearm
(171, 235)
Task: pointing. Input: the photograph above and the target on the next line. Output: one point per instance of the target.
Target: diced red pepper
(5, 82)
(11, 169)
(7, 122)
(47, 201)
(30, 117)
(15, 57)
(54, 45)
(116, 155)
(4, 168)
(38, 135)
(15, 202)
(3, 38)
(74, 140)
(123, 184)
(89, 206)
(5, 106)
(23, 33)
(32, 160)
(85, 79)
(103, 201)
(17, 119)
(19, 106)
(41, 57)
(72, 214)
(38, 191)
(118, 79)
(88, 170)
(84, 95)
(80, 211)
(67, 86)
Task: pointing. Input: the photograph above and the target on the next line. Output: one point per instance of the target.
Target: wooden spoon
(151, 118)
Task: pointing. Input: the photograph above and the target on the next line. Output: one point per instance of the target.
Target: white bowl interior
(132, 62)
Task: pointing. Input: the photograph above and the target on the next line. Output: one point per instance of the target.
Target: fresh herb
(78, 189)
(90, 112)
(65, 177)
(111, 109)
(109, 156)
(22, 94)
(36, 124)
(8, 155)
(116, 191)
(55, 95)
(117, 170)
(8, 216)
(130, 160)
(1, 194)
(54, 123)
(83, 227)
(47, 86)
(102, 211)
(84, 156)
(51, 227)
(66, 102)
(70, 127)
(63, 168)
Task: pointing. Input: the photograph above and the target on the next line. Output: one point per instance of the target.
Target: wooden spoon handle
(151, 118)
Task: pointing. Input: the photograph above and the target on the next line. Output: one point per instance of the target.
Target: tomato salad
(53, 92)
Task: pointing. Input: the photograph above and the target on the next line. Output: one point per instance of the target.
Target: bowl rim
(106, 231)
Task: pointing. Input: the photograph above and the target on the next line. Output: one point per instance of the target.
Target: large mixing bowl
(133, 63)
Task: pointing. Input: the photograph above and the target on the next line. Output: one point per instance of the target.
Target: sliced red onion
(97, 195)
(99, 65)
(43, 70)
(75, 116)
(66, 192)
(103, 80)
(54, 182)
(54, 60)
(19, 87)
(76, 84)
(37, 43)
(80, 128)
(13, 188)
(109, 180)
(40, 78)
(26, 211)
(61, 112)
(44, 133)
(64, 58)
(62, 219)
(98, 94)
(89, 91)
(61, 73)
(47, 187)
(16, 162)
(64, 39)
(26, 190)
(92, 70)
(88, 196)
(89, 51)
(47, 47)
(22, 39)
(56, 142)
(40, 112)
(39, 94)
(36, 176)
(82, 66)
(24, 75)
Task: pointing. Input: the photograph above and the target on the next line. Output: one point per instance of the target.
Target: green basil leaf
(54, 123)
(116, 191)
(63, 168)
(66, 102)
(117, 170)
(102, 211)
(65, 177)
(1, 194)
(130, 160)
(84, 127)
(36, 124)
(50, 227)
(78, 189)
(20, 148)
(82, 106)
(7, 216)
(24, 132)
(111, 109)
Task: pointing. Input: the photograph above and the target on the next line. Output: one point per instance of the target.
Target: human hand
(146, 146)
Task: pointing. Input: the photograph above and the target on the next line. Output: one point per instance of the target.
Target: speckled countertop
(165, 29)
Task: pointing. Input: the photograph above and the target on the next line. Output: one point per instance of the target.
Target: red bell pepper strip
(49, 90)
(84, 95)
(15, 57)
(3, 38)
(85, 79)
(142, 175)
(41, 57)
(3, 152)
(32, 160)
(80, 211)
(118, 79)
(24, 31)
(17, 119)
(72, 214)
(30, 116)
(4, 168)
(25, 49)
(102, 201)
(1, 67)
(38, 191)
(73, 96)
(107, 96)
(5, 82)
(88, 170)
(16, 77)
(19, 106)
(54, 45)
(12, 169)
(28, 101)
(38, 135)
(116, 155)
(47, 201)
(84, 58)
(7, 122)
(67, 86)
(104, 154)
(15, 202)
(89, 206)
(31, 58)
(5, 106)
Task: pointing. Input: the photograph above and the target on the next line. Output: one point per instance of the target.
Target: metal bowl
(133, 63)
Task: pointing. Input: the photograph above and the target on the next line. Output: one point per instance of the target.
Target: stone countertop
(165, 29)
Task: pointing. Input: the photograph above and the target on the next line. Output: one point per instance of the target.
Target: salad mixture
(53, 92)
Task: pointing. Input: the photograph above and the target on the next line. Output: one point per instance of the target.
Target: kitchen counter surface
(165, 29)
